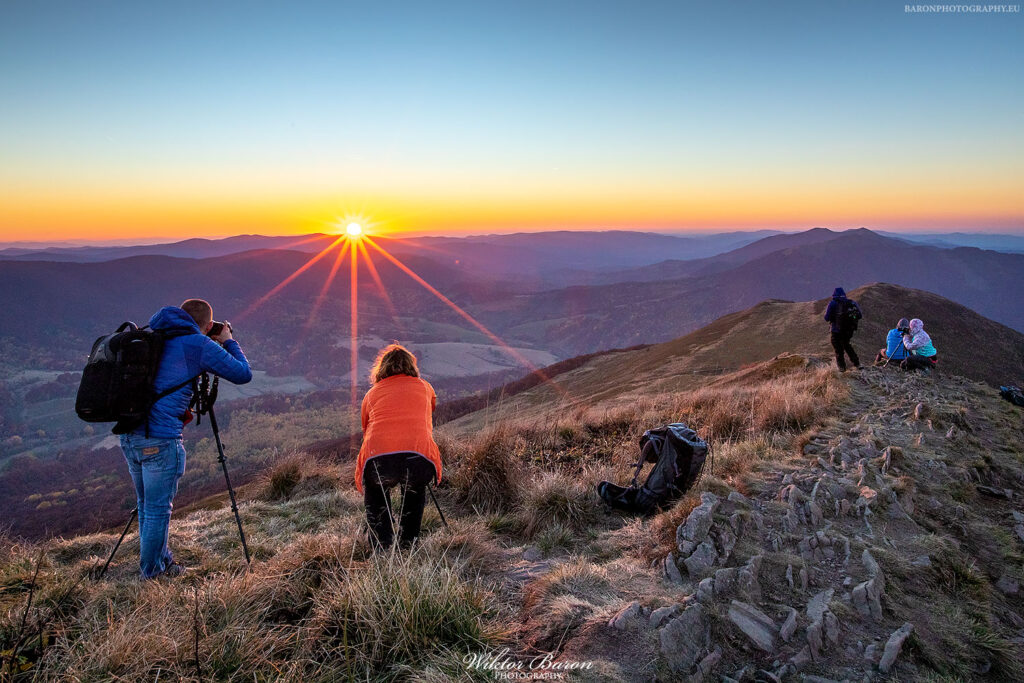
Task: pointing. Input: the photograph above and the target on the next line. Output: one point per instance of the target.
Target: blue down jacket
(185, 357)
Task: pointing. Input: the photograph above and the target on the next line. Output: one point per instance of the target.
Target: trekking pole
(117, 545)
(430, 487)
(227, 479)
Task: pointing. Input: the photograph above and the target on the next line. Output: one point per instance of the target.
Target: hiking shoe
(173, 571)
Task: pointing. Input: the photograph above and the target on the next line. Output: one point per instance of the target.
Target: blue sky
(283, 108)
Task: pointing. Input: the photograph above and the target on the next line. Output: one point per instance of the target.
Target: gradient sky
(143, 119)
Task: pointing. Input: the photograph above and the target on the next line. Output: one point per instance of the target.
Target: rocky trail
(889, 548)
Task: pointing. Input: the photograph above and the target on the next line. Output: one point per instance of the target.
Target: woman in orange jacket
(398, 446)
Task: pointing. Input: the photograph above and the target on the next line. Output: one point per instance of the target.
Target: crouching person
(154, 450)
(894, 349)
(923, 355)
(398, 447)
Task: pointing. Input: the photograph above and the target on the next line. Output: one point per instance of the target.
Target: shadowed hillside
(968, 344)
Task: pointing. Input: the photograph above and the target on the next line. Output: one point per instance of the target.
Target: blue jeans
(156, 465)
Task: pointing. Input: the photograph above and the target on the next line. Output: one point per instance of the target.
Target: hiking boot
(173, 571)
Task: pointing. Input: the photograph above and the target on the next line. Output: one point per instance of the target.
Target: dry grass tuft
(400, 609)
(576, 577)
(487, 476)
(299, 474)
(557, 499)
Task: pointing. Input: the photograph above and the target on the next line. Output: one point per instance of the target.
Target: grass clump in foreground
(316, 611)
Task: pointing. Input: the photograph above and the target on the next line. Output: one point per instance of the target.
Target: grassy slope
(530, 561)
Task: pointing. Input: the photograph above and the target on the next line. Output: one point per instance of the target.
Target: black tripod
(203, 399)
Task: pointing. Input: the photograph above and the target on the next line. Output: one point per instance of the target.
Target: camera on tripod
(218, 327)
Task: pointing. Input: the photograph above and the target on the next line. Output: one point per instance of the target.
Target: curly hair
(393, 359)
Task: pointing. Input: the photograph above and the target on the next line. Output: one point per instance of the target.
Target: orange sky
(138, 120)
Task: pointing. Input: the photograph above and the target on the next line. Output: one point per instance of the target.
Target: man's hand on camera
(224, 335)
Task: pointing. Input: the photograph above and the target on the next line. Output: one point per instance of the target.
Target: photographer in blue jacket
(154, 450)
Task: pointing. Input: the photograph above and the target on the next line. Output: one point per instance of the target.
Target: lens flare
(352, 243)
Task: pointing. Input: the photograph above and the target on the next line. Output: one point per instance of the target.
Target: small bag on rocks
(678, 455)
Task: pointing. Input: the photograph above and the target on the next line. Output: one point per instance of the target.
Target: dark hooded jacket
(184, 357)
(835, 307)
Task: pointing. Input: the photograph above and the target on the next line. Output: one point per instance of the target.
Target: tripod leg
(117, 545)
(430, 487)
(231, 491)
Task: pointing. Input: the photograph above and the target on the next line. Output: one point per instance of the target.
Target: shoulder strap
(168, 392)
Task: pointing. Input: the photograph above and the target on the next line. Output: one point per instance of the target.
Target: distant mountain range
(60, 307)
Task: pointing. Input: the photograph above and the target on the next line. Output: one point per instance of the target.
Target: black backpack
(678, 455)
(848, 315)
(117, 382)
(1012, 394)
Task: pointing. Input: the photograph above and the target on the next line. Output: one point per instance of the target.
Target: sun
(354, 229)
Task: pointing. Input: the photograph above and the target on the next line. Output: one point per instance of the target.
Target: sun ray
(354, 304)
(379, 284)
(318, 302)
(466, 316)
(284, 283)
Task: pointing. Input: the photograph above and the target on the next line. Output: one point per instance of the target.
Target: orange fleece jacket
(397, 416)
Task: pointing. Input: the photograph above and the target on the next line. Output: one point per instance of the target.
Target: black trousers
(841, 344)
(919, 362)
(413, 473)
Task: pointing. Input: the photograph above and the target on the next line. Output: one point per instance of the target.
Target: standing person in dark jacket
(842, 314)
(154, 450)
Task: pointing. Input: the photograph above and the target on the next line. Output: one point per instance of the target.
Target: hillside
(968, 343)
(851, 527)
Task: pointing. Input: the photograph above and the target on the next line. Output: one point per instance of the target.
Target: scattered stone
(625, 616)
(532, 554)
(725, 581)
(921, 411)
(819, 604)
(684, 638)
(702, 559)
(697, 524)
(893, 647)
(1019, 530)
(706, 665)
(832, 628)
(788, 626)
(922, 561)
(819, 679)
(816, 514)
(1008, 585)
(789, 575)
(672, 572)
(814, 639)
(871, 654)
(993, 492)
(726, 541)
(951, 434)
(662, 615)
(919, 440)
(706, 591)
(802, 658)
(738, 498)
(754, 623)
(803, 578)
(893, 456)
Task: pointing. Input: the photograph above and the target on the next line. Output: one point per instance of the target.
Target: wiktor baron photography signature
(508, 665)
